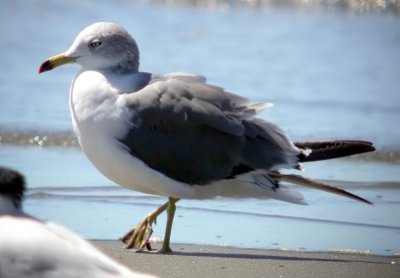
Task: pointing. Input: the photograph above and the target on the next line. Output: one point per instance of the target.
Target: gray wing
(198, 133)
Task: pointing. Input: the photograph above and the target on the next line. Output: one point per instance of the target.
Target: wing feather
(207, 132)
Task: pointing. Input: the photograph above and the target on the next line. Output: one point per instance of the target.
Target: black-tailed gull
(176, 135)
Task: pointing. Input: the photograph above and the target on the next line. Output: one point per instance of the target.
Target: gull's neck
(129, 64)
(125, 67)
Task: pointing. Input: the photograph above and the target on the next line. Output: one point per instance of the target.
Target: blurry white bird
(32, 248)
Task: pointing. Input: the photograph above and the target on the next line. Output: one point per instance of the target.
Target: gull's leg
(138, 237)
(170, 219)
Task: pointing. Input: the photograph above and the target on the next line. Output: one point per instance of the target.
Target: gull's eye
(95, 43)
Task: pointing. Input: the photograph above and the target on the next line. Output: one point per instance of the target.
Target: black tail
(333, 149)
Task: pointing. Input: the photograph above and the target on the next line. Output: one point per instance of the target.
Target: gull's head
(100, 46)
(12, 189)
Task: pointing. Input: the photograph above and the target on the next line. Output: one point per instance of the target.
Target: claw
(138, 238)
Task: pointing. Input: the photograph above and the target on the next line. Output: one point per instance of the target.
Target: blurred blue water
(73, 192)
(330, 76)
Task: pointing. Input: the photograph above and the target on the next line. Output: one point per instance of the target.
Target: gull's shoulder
(142, 80)
(184, 76)
(192, 93)
(187, 100)
(133, 83)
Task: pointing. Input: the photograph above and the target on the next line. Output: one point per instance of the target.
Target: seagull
(177, 136)
(32, 248)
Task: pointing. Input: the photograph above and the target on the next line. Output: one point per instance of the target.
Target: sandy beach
(213, 261)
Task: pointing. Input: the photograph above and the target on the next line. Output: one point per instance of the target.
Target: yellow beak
(55, 61)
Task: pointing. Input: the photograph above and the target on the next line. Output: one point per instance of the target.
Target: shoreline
(66, 139)
(215, 261)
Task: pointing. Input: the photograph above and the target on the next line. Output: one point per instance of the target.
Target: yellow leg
(170, 219)
(138, 237)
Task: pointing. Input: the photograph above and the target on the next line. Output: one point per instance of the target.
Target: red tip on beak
(46, 66)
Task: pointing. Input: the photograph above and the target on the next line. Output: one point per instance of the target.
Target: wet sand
(213, 261)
